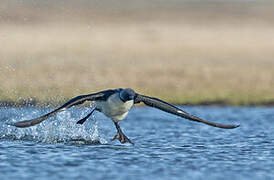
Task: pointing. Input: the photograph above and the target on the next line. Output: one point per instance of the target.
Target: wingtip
(18, 124)
(11, 124)
(234, 126)
(227, 126)
(238, 125)
(79, 122)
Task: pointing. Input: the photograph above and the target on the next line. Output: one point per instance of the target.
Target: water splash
(61, 128)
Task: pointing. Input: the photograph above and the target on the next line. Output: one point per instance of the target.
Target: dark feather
(164, 106)
(74, 101)
(86, 117)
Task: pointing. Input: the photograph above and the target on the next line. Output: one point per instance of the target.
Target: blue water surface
(166, 146)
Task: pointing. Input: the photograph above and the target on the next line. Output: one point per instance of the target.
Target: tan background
(182, 51)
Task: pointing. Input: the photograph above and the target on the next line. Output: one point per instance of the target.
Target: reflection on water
(167, 147)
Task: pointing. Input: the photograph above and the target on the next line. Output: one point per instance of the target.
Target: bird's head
(127, 94)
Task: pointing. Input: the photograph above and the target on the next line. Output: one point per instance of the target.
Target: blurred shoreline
(53, 104)
(185, 52)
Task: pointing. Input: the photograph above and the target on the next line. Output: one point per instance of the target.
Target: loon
(115, 104)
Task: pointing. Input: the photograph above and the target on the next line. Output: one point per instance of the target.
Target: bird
(116, 104)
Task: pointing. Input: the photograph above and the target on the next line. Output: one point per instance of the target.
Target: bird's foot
(122, 138)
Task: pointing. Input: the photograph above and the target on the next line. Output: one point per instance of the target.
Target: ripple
(166, 147)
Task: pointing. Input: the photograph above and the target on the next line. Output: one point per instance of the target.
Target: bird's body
(114, 107)
(115, 104)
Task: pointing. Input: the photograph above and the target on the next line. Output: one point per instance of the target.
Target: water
(166, 147)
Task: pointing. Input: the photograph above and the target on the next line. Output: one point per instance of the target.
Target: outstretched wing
(164, 106)
(74, 101)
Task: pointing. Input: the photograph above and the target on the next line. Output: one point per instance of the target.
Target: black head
(127, 94)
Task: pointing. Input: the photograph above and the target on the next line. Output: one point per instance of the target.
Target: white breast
(114, 108)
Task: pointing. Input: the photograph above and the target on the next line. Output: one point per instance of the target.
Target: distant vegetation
(184, 52)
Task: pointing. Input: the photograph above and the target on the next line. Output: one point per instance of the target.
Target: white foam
(60, 128)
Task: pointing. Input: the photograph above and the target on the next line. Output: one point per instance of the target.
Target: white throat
(114, 107)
